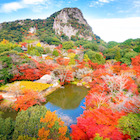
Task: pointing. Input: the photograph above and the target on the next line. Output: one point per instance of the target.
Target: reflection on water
(67, 102)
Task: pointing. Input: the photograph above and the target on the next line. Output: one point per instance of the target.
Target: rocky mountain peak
(70, 21)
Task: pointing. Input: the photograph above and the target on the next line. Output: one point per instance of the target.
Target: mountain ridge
(73, 28)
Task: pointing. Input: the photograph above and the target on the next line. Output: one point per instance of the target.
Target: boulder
(45, 79)
(79, 84)
(86, 79)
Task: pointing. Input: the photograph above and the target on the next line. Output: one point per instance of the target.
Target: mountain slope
(66, 24)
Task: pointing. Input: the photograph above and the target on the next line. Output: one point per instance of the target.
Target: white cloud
(136, 4)
(99, 2)
(105, 1)
(14, 6)
(35, 2)
(116, 29)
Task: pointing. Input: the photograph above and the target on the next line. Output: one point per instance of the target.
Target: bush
(67, 45)
(127, 57)
(52, 41)
(6, 128)
(25, 138)
(47, 50)
(91, 46)
(40, 50)
(18, 49)
(95, 57)
(73, 38)
(34, 52)
(130, 124)
(80, 42)
(55, 53)
(28, 122)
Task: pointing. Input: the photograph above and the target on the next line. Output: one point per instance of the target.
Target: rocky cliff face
(70, 21)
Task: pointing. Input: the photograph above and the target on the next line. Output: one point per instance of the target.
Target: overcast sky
(112, 20)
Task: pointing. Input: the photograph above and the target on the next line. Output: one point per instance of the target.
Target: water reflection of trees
(68, 97)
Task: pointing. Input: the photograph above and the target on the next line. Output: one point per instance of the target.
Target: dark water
(65, 101)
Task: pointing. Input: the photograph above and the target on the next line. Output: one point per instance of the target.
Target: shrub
(18, 49)
(6, 128)
(55, 53)
(91, 46)
(25, 138)
(127, 57)
(95, 57)
(40, 50)
(47, 50)
(130, 124)
(67, 45)
(52, 41)
(28, 122)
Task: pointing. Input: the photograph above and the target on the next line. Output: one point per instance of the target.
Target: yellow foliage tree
(4, 41)
(86, 58)
(54, 129)
(38, 44)
(72, 60)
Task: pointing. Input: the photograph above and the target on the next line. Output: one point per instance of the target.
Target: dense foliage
(130, 124)
(54, 128)
(6, 128)
(28, 122)
(28, 99)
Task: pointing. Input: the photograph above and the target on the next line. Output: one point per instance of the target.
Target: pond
(66, 101)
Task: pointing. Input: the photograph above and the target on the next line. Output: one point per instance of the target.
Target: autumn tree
(102, 121)
(54, 128)
(64, 72)
(28, 99)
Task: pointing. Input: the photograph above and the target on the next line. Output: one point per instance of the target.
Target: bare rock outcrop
(70, 22)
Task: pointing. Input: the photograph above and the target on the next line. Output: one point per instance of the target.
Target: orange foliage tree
(1, 98)
(136, 64)
(63, 61)
(28, 99)
(54, 128)
(27, 72)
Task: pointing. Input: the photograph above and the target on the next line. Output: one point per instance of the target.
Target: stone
(79, 84)
(47, 79)
(86, 79)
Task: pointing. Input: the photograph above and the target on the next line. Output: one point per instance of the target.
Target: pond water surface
(66, 101)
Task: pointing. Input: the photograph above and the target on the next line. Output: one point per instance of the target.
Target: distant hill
(66, 24)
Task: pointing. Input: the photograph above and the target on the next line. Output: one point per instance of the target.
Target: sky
(112, 20)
